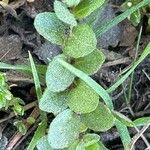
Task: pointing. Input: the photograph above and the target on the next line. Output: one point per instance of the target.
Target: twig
(138, 135)
(148, 77)
(117, 62)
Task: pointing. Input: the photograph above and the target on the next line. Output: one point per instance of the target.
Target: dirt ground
(18, 36)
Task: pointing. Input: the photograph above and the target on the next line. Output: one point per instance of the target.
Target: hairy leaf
(64, 14)
(91, 63)
(50, 27)
(58, 78)
(99, 120)
(64, 129)
(95, 146)
(86, 7)
(82, 98)
(81, 42)
(90, 139)
(94, 85)
(43, 144)
(71, 3)
(53, 102)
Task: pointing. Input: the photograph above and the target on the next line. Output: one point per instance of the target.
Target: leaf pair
(65, 129)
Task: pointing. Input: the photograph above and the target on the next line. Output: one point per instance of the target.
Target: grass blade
(36, 78)
(124, 134)
(109, 24)
(95, 86)
(124, 77)
(40, 132)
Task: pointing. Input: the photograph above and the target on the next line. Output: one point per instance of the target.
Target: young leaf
(135, 17)
(64, 14)
(64, 129)
(141, 121)
(86, 7)
(126, 121)
(43, 144)
(71, 3)
(53, 102)
(95, 146)
(90, 139)
(50, 27)
(96, 57)
(99, 120)
(82, 98)
(81, 42)
(74, 145)
(57, 77)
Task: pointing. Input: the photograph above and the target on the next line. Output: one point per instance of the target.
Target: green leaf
(53, 102)
(141, 121)
(135, 17)
(95, 146)
(96, 57)
(82, 98)
(74, 145)
(90, 139)
(102, 146)
(40, 132)
(99, 120)
(43, 144)
(71, 3)
(57, 77)
(81, 42)
(124, 134)
(50, 27)
(126, 121)
(64, 130)
(94, 85)
(64, 14)
(86, 7)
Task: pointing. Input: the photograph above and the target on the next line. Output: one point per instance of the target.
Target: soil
(18, 36)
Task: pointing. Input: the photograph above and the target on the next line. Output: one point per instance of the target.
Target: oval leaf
(95, 146)
(86, 7)
(99, 120)
(53, 102)
(43, 144)
(71, 3)
(50, 27)
(81, 42)
(58, 78)
(90, 139)
(82, 99)
(64, 130)
(63, 13)
(91, 63)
